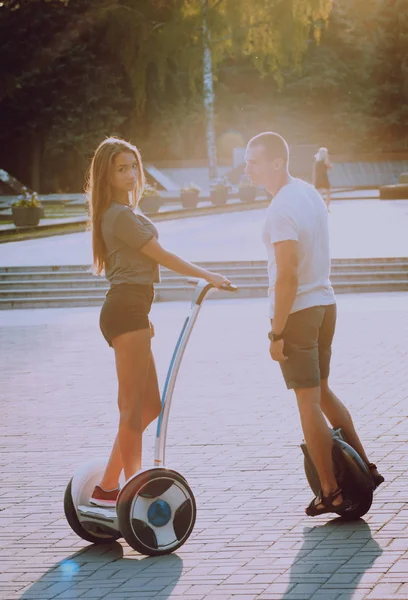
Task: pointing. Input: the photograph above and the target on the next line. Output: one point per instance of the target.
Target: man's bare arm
(286, 254)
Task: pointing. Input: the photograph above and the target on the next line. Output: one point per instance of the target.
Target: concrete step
(75, 285)
(337, 263)
(51, 284)
(259, 276)
(232, 272)
(230, 269)
(183, 293)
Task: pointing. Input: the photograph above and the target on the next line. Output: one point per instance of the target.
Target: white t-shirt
(298, 212)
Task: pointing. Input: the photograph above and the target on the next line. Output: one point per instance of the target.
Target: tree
(58, 98)
(390, 73)
(197, 35)
(74, 71)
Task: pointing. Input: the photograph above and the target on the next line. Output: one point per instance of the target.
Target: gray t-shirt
(125, 233)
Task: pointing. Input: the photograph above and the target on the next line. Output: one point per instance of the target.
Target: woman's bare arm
(173, 262)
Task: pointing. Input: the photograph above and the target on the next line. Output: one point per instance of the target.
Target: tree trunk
(36, 158)
(209, 96)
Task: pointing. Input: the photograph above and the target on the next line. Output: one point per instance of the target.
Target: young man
(302, 308)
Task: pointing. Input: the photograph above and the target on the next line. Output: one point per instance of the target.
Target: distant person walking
(320, 178)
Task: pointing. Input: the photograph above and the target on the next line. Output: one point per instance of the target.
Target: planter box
(247, 194)
(189, 199)
(26, 216)
(394, 192)
(219, 197)
(150, 204)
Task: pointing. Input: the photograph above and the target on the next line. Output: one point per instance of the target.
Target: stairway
(64, 286)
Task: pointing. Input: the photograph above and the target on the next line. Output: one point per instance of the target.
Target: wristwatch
(275, 337)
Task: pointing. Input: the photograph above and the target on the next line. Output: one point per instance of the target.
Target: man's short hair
(274, 144)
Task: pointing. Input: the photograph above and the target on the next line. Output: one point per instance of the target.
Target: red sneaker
(104, 498)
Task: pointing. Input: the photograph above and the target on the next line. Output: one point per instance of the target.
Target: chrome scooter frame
(201, 291)
(107, 517)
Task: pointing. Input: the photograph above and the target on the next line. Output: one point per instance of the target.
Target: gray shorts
(307, 338)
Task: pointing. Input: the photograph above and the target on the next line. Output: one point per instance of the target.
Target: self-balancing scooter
(156, 510)
(352, 475)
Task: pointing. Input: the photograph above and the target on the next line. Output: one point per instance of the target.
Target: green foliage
(191, 188)
(29, 200)
(150, 190)
(59, 99)
(390, 73)
(320, 72)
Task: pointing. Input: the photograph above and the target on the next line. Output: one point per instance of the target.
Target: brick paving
(234, 434)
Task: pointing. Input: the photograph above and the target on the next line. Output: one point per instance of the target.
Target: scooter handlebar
(225, 288)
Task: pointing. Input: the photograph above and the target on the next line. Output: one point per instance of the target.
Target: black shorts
(126, 308)
(307, 339)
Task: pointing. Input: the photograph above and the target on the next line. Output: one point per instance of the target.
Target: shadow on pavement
(103, 572)
(332, 561)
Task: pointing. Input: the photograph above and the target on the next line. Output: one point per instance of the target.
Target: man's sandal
(321, 505)
(377, 478)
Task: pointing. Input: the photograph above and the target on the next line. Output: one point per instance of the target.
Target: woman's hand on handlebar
(217, 280)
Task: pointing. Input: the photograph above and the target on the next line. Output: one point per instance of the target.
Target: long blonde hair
(99, 191)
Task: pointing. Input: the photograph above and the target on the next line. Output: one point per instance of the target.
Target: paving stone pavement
(234, 434)
(358, 229)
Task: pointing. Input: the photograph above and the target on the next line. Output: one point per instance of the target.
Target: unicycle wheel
(156, 511)
(351, 474)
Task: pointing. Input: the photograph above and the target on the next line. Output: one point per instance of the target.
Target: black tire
(351, 474)
(355, 479)
(311, 476)
(359, 509)
(186, 512)
(75, 524)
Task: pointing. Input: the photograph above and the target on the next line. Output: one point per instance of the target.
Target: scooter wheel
(73, 521)
(359, 508)
(351, 474)
(311, 476)
(156, 511)
(355, 480)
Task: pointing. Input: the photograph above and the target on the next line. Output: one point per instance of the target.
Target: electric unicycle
(155, 511)
(352, 475)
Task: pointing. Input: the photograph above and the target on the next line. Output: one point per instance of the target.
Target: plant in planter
(189, 194)
(150, 201)
(247, 190)
(219, 191)
(27, 211)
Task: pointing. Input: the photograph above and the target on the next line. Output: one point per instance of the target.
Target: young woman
(320, 177)
(125, 246)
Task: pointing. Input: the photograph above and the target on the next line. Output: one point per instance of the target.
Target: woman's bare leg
(151, 402)
(132, 353)
(110, 479)
(151, 410)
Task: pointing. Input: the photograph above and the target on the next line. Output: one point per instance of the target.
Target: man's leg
(301, 372)
(328, 199)
(339, 416)
(318, 438)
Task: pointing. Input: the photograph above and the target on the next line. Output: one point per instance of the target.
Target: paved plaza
(234, 434)
(358, 229)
